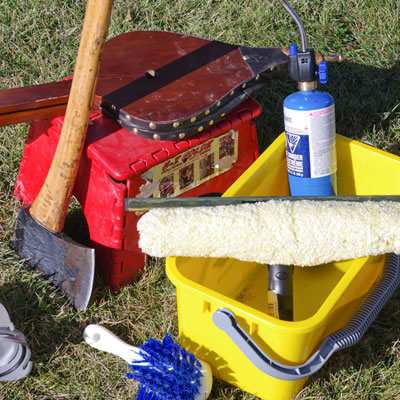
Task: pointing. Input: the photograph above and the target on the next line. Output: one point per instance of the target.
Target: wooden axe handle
(51, 205)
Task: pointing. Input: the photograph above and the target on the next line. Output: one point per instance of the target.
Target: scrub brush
(165, 371)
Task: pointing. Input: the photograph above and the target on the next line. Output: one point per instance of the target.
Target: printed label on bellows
(192, 167)
(310, 142)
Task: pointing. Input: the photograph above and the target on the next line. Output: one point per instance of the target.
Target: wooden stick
(51, 205)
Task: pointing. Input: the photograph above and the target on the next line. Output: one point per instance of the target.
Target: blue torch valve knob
(323, 72)
(293, 49)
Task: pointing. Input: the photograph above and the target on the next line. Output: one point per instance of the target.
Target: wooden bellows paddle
(159, 85)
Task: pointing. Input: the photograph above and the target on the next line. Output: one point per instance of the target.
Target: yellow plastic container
(325, 297)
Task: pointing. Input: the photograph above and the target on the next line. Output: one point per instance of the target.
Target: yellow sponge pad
(304, 233)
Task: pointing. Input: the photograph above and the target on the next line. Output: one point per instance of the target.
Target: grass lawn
(39, 41)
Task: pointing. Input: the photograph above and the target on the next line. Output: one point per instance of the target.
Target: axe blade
(69, 265)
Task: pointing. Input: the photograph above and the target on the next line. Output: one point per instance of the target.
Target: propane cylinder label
(310, 142)
(191, 168)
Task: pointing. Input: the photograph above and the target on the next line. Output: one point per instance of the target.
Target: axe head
(69, 265)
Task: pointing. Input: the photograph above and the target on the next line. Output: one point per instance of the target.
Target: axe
(38, 233)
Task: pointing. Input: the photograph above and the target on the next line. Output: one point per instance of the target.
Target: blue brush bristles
(171, 374)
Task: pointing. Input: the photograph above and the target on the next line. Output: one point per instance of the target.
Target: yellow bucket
(325, 297)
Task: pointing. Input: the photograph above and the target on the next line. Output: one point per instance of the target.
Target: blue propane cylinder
(310, 132)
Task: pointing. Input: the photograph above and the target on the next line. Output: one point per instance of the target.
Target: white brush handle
(206, 381)
(102, 339)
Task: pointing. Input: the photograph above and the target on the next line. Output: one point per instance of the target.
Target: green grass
(39, 42)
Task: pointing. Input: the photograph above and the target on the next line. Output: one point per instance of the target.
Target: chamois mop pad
(304, 233)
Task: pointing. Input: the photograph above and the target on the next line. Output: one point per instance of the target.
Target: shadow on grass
(42, 314)
(366, 99)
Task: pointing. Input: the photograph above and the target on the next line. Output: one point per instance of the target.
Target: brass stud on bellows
(218, 103)
(150, 73)
(193, 119)
(128, 117)
(207, 112)
(199, 129)
(135, 131)
(156, 136)
(176, 125)
(152, 125)
(182, 135)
